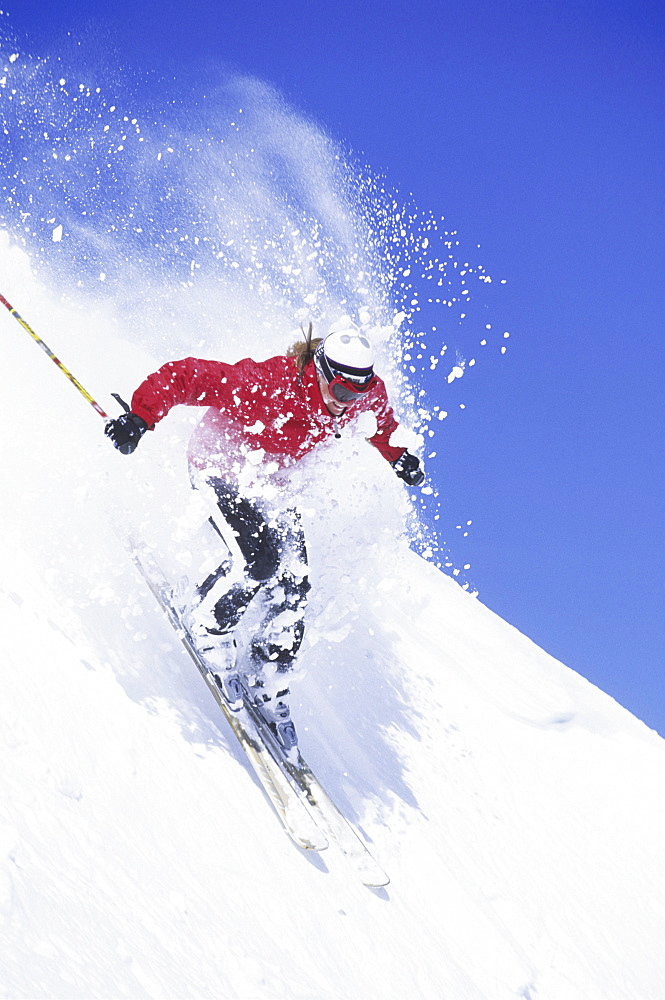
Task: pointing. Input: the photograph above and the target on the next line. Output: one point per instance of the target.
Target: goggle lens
(342, 392)
(345, 391)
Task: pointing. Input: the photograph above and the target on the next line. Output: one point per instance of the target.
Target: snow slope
(517, 809)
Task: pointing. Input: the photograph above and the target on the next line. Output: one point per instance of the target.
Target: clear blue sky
(537, 129)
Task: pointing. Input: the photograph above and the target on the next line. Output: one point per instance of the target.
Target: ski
(306, 810)
(326, 813)
(338, 829)
(293, 814)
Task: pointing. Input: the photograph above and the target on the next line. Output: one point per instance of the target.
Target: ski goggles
(346, 391)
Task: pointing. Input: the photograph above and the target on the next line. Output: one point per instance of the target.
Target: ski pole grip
(120, 400)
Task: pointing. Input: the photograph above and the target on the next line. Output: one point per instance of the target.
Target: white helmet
(346, 354)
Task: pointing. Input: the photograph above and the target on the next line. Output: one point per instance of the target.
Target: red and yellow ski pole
(53, 358)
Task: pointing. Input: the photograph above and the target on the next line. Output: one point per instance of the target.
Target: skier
(263, 416)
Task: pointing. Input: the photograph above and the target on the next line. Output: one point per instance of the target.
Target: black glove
(407, 467)
(126, 431)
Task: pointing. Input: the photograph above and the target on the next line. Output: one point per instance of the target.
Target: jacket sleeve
(386, 424)
(192, 382)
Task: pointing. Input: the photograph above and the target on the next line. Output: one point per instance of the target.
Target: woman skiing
(263, 416)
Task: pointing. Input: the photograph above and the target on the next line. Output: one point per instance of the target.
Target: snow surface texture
(517, 809)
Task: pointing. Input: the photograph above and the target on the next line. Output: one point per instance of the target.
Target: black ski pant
(273, 582)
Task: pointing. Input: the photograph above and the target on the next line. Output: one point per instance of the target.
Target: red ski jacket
(256, 406)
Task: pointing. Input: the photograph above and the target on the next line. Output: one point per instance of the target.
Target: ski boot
(219, 656)
(273, 707)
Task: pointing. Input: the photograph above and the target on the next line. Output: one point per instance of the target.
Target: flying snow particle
(56, 235)
(256, 428)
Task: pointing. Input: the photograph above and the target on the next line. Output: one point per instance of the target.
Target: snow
(517, 809)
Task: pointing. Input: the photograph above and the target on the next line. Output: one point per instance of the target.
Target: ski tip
(306, 835)
(378, 880)
(371, 873)
(316, 844)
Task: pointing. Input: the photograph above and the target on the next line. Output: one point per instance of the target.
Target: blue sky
(537, 130)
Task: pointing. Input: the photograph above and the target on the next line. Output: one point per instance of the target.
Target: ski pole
(53, 358)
